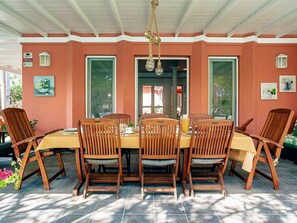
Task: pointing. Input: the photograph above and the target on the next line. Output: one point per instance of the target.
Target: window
(223, 88)
(100, 86)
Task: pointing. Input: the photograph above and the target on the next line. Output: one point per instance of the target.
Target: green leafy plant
(130, 124)
(10, 177)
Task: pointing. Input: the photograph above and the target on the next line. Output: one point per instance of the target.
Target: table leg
(184, 173)
(80, 176)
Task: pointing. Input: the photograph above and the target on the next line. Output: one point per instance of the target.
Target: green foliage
(15, 90)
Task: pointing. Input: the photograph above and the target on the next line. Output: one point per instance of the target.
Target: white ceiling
(179, 17)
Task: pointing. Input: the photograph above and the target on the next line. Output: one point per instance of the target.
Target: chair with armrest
(24, 143)
(210, 145)
(100, 144)
(194, 117)
(153, 115)
(242, 128)
(269, 146)
(122, 119)
(159, 146)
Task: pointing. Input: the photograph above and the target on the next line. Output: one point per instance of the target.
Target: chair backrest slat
(159, 137)
(99, 137)
(153, 115)
(211, 138)
(119, 117)
(18, 127)
(194, 117)
(277, 125)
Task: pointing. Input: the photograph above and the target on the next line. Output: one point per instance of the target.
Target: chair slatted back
(276, 127)
(212, 139)
(153, 115)
(18, 127)
(119, 117)
(159, 138)
(99, 138)
(194, 117)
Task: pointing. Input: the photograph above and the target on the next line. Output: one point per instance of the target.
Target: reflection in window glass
(100, 86)
(147, 95)
(158, 96)
(146, 110)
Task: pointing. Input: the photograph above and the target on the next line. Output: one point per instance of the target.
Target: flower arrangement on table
(10, 177)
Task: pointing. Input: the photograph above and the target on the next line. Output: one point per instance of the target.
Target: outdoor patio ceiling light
(153, 39)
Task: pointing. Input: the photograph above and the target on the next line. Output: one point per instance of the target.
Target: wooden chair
(242, 128)
(119, 117)
(100, 144)
(210, 145)
(159, 146)
(153, 115)
(269, 146)
(194, 117)
(24, 143)
(122, 119)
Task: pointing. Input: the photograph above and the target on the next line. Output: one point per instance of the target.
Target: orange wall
(256, 65)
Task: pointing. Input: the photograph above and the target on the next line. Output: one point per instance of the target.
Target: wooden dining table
(243, 150)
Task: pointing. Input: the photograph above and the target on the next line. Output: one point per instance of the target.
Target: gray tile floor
(261, 204)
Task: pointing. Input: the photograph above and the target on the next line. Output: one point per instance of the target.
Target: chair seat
(207, 160)
(158, 162)
(102, 161)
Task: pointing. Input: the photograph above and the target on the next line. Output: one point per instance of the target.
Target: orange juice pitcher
(185, 123)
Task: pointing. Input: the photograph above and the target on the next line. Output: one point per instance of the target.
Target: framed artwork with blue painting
(287, 83)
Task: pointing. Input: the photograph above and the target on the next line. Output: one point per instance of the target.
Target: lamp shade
(44, 59)
(281, 61)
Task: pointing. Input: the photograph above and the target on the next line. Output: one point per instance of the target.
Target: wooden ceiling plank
(10, 30)
(286, 30)
(186, 14)
(21, 19)
(276, 22)
(44, 12)
(116, 15)
(83, 16)
(265, 7)
(227, 8)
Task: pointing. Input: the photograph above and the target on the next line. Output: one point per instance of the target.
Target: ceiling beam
(83, 16)
(276, 22)
(286, 30)
(9, 30)
(116, 15)
(186, 14)
(21, 19)
(44, 12)
(265, 7)
(227, 8)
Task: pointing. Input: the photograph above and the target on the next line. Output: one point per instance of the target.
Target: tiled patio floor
(262, 204)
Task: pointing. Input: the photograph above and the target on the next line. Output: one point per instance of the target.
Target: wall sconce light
(153, 39)
(281, 61)
(44, 59)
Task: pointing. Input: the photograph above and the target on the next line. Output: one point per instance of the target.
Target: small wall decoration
(44, 85)
(287, 83)
(268, 91)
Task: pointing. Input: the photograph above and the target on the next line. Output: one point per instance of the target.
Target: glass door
(223, 87)
(167, 93)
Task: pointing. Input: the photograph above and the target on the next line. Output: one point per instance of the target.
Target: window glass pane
(223, 88)
(100, 86)
(147, 95)
(158, 96)
(146, 111)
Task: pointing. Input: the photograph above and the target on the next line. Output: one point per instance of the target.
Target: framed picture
(268, 91)
(287, 83)
(44, 85)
